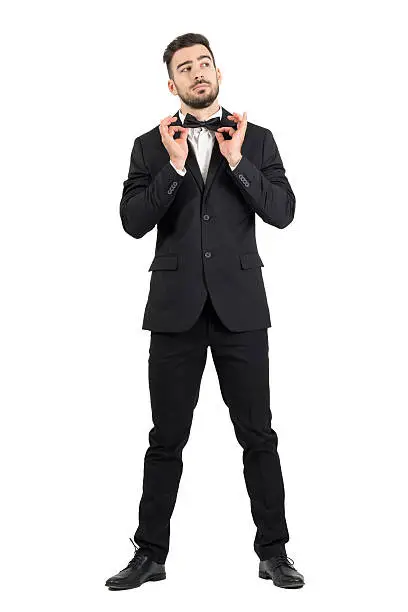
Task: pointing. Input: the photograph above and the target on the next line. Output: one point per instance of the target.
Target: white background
(80, 81)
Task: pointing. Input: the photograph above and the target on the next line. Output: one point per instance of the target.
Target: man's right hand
(177, 149)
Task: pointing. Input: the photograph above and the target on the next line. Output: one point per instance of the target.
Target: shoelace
(138, 556)
(281, 560)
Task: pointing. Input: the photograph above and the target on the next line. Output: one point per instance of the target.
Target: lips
(200, 86)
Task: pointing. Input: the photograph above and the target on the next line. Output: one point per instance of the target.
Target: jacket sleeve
(145, 201)
(266, 191)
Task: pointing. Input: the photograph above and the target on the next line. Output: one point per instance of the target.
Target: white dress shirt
(202, 140)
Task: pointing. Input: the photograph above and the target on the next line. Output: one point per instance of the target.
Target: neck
(200, 113)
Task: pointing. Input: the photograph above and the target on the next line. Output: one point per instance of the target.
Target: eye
(188, 67)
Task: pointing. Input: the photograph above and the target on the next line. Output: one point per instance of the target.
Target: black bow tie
(210, 124)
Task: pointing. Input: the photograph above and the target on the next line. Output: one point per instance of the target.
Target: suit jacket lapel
(216, 160)
(192, 165)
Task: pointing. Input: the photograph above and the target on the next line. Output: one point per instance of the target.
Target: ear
(172, 87)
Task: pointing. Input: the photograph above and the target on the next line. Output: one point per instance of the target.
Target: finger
(241, 118)
(168, 120)
(242, 124)
(229, 130)
(165, 127)
(179, 128)
(164, 132)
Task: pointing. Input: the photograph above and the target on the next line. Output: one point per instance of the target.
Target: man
(201, 176)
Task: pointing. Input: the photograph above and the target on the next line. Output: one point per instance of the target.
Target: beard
(193, 99)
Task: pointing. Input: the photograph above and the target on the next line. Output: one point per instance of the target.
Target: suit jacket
(206, 231)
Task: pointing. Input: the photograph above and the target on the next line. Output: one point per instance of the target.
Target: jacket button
(207, 254)
(206, 217)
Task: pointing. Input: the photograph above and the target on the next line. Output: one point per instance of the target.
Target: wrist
(179, 164)
(233, 161)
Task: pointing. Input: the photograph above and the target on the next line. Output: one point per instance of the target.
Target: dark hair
(186, 40)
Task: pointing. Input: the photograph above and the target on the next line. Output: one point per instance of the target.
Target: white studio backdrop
(80, 81)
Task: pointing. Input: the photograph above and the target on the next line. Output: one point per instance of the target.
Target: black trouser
(176, 365)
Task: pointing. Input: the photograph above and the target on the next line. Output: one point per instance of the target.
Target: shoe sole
(153, 578)
(266, 576)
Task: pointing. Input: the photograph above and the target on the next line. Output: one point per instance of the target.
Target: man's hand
(231, 149)
(177, 149)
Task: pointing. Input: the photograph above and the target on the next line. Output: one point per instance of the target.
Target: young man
(201, 177)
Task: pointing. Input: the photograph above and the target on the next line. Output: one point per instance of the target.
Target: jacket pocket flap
(164, 262)
(250, 260)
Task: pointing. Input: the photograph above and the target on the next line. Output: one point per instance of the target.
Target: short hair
(185, 40)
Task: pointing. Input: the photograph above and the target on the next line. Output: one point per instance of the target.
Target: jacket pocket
(164, 262)
(250, 260)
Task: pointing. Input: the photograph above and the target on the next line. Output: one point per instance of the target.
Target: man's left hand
(231, 149)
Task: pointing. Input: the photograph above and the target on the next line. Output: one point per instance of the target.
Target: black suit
(206, 232)
(207, 291)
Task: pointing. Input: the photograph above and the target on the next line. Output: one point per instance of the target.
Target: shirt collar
(216, 114)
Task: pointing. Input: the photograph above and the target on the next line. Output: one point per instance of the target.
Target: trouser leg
(176, 365)
(241, 360)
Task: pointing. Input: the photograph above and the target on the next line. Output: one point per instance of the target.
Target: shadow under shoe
(140, 569)
(281, 571)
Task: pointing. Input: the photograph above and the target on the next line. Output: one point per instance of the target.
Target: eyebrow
(190, 62)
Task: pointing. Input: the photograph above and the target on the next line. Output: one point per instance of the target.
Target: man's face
(193, 65)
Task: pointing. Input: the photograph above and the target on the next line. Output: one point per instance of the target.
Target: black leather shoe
(139, 570)
(281, 571)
